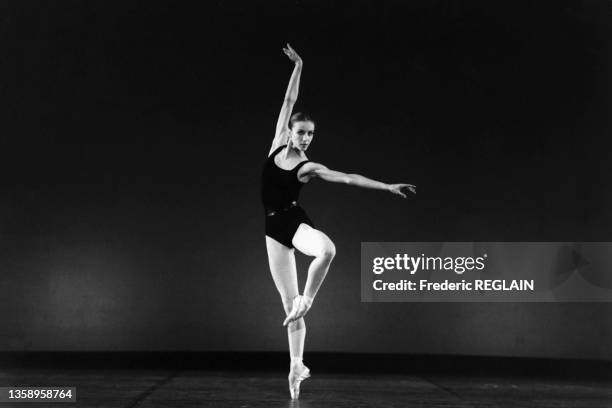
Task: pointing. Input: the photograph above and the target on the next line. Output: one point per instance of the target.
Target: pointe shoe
(304, 307)
(296, 376)
(294, 310)
(301, 306)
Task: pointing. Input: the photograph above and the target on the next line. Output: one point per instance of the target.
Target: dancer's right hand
(293, 56)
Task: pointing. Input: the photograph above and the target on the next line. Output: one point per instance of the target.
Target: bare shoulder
(279, 140)
(309, 171)
(311, 166)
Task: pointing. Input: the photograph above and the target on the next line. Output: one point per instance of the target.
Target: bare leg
(284, 273)
(313, 242)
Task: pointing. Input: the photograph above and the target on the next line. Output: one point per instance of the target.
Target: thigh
(283, 269)
(311, 241)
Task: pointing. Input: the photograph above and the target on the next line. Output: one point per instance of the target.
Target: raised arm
(282, 125)
(316, 170)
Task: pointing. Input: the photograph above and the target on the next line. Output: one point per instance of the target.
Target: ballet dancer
(288, 226)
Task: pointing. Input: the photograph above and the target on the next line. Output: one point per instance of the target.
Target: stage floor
(130, 388)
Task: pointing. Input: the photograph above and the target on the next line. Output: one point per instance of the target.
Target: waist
(273, 211)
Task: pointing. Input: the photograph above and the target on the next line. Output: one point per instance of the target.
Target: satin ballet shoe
(296, 376)
(294, 310)
(301, 306)
(304, 307)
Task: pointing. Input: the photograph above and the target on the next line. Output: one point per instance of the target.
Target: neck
(292, 150)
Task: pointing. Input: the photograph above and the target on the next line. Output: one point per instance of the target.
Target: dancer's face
(302, 134)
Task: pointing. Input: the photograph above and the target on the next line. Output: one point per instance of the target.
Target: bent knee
(328, 251)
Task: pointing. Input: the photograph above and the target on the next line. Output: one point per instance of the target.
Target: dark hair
(299, 117)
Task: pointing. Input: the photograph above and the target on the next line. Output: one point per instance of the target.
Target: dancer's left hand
(397, 189)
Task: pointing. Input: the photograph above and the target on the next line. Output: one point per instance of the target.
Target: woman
(286, 170)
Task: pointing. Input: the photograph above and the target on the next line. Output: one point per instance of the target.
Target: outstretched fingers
(292, 54)
(411, 188)
(397, 189)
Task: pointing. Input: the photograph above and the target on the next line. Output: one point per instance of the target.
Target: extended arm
(282, 124)
(316, 170)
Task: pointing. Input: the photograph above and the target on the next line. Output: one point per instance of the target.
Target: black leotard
(280, 190)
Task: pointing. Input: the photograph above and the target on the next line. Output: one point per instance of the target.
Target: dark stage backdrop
(132, 135)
